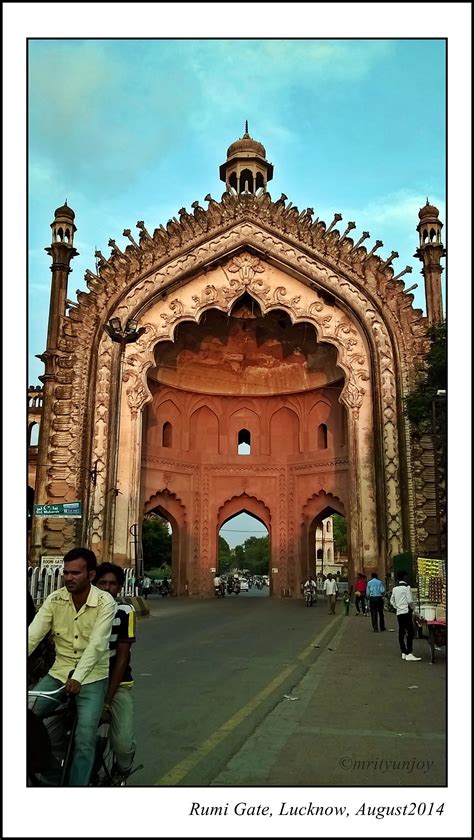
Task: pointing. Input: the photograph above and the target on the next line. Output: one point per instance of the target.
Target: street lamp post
(122, 336)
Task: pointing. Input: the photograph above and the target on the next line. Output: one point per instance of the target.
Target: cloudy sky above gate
(135, 129)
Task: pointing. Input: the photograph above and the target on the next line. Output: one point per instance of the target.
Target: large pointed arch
(209, 259)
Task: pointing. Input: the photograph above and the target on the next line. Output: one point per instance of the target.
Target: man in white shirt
(402, 601)
(146, 586)
(330, 590)
(310, 586)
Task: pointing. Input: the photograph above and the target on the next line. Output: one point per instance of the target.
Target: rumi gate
(248, 321)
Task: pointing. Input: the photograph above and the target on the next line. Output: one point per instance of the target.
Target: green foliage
(419, 403)
(339, 529)
(225, 556)
(156, 541)
(256, 553)
(239, 557)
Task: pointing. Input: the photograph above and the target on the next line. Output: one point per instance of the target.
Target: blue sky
(135, 129)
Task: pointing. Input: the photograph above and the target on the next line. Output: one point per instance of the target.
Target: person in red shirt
(360, 590)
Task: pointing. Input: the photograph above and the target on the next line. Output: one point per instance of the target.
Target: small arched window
(233, 181)
(244, 442)
(322, 436)
(167, 436)
(34, 434)
(328, 525)
(246, 181)
(319, 554)
(258, 180)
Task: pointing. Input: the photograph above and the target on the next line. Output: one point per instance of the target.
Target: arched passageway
(244, 553)
(165, 508)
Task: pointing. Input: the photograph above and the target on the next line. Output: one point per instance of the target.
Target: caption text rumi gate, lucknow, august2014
(309, 809)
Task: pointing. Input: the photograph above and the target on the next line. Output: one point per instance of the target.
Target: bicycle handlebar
(45, 693)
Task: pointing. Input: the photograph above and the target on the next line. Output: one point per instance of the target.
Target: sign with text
(68, 510)
(51, 563)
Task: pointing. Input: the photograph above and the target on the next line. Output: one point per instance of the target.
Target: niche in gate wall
(163, 428)
(284, 432)
(204, 431)
(324, 422)
(244, 420)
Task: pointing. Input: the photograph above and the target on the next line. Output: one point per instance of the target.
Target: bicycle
(49, 766)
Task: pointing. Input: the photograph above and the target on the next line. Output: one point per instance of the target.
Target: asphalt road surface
(208, 672)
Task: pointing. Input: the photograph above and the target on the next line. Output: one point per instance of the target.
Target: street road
(207, 672)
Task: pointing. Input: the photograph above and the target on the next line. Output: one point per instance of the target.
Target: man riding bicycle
(80, 617)
(118, 705)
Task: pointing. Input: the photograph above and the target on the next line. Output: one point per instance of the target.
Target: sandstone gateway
(248, 321)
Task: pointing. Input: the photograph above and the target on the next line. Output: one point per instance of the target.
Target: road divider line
(180, 770)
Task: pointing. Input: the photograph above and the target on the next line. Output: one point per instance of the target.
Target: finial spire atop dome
(246, 168)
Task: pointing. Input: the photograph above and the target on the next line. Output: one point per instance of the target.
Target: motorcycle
(219, 591)
(309, 597)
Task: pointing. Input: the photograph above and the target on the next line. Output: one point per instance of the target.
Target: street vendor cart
(435, 633)
(430, 616)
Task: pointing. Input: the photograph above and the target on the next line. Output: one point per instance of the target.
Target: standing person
(80, 617)
(330, 590)
(118, 704)
(375, 593)
(402, 601)
(360, 590)
(146, 586)
(347, 600)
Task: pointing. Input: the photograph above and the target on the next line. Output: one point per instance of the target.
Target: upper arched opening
(245, 352)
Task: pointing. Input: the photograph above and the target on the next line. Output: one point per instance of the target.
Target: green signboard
(69, 510)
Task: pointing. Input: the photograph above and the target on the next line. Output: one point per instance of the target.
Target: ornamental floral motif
(247, 265)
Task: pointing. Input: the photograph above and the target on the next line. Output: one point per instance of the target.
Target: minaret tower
(430, 252)
(62, 251)
(50, 485)
(246, 168)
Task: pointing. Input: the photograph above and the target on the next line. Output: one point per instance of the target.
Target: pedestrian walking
(146, 583)
(375, 593)
(360, 590)
(402, 601)
(330, 590)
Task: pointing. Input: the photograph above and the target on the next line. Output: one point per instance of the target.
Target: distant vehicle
(244, 585)
(266, 580)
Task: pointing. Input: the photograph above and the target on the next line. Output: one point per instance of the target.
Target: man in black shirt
(118, 705)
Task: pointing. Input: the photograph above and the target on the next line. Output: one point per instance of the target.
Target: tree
(433, 378)
(239, 555)
(339, 529)
(225, 556)
(157, 542)
(256, 555)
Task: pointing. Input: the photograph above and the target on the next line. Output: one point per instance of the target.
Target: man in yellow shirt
(80, 617)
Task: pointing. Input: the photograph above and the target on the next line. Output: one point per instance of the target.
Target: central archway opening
(243, 558)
